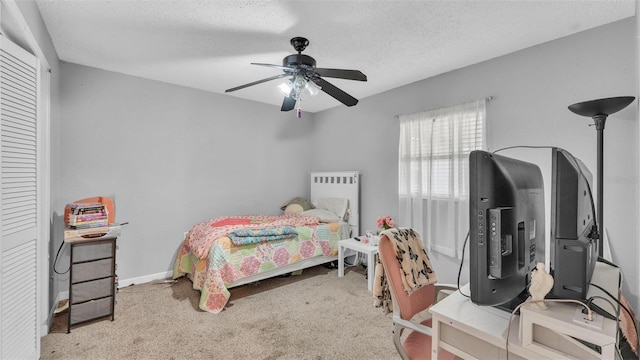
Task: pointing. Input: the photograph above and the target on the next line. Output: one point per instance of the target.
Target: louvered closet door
(18, 246)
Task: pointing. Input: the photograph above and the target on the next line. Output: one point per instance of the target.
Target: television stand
(471, 331)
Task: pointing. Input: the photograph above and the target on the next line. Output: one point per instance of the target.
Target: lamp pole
(599, 121)
(599, 110)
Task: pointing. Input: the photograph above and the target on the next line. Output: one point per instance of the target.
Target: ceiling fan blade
(256, 82)
(341, 74)
(336, 93)
(288, 68)
(288, 104)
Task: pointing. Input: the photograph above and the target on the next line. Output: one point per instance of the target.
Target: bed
(230, 251)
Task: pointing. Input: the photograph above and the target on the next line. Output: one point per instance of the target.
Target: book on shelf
(87, 208)
(75, 219)
(90, 224)
(87, 215)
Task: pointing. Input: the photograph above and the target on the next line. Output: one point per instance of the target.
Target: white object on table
(541, 284)
(358, 246)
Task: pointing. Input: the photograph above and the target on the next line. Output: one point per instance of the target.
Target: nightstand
(91, 280)
(367, 249)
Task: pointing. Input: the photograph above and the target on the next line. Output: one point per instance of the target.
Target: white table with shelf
(367, 249)
(470, 331)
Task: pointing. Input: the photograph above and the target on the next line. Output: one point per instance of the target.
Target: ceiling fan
(306, 78)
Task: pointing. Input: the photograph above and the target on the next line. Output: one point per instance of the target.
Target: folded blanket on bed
(253, 236)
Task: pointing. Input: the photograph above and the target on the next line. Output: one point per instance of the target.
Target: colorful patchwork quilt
(226, 262)
(202, 235)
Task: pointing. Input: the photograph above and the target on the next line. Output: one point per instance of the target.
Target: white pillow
(324, 215)
(338, 206)
(293, 209)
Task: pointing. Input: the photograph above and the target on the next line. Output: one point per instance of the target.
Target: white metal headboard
(339, 184)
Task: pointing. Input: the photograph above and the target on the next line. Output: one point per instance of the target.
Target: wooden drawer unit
(92, 280)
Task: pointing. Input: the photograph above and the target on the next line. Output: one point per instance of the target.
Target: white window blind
(433, 170)
(433, 145)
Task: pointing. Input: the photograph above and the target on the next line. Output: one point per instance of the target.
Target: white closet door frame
(45, 313)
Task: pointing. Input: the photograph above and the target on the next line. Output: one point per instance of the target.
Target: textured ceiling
(209, 45)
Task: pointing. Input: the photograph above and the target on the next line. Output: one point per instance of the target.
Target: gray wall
(172, 156)
(531, 89)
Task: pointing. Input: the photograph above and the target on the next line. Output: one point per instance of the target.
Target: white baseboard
(144, 279)
(46, 324)
(128, 282)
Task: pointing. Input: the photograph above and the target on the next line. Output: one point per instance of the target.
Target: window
(433, 172)
(434, 149)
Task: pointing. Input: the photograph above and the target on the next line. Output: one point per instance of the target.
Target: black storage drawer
(92, 280)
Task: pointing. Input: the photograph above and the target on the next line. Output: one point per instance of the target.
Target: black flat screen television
(506, 237)
(573, 236)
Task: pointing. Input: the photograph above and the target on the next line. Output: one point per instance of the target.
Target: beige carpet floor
(315, 315)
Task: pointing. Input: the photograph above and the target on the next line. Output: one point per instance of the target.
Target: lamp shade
(605, 106)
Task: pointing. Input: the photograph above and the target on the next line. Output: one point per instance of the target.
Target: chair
(417, 344)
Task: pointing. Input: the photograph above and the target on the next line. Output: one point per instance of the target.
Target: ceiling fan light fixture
(312, 88)
(298, 88)
(286, 87)
(299, 84)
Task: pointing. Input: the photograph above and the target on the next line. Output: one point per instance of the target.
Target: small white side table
(367, 249)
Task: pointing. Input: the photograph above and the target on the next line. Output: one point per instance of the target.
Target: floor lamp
(598, 110)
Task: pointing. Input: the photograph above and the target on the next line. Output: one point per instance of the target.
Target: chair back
(409, 305)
